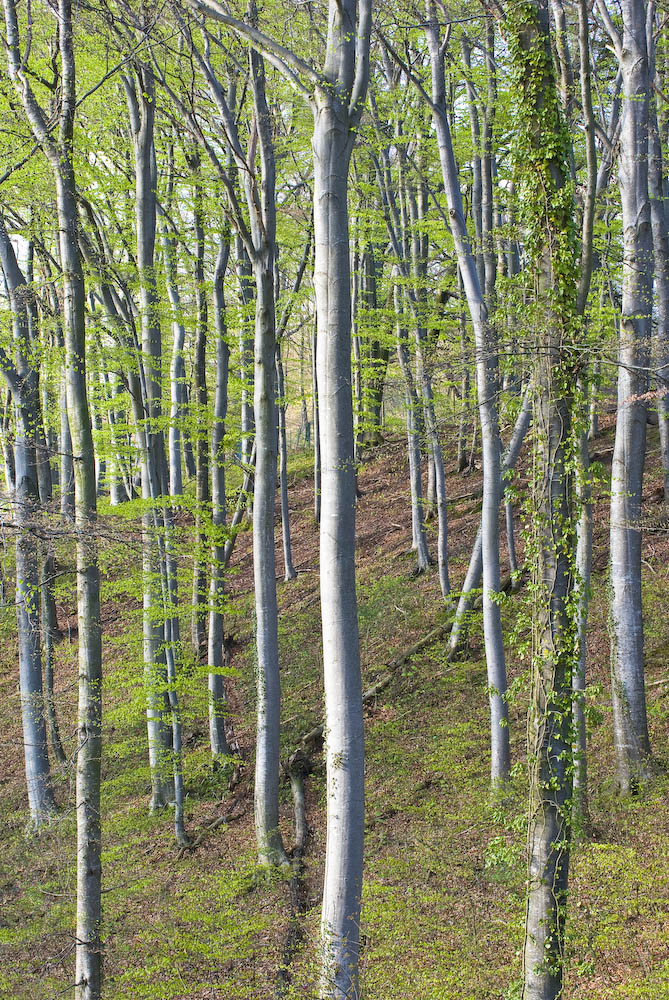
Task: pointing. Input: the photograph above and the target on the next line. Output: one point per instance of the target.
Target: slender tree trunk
(49, 629)
(199, 397)
(270, 846)
(464, 382)
(437, 462)
(660, 229)
(89, 736)
(244, 271)
(22, 380)
(317, 431)
(217, 700)
(177, 369)
(583, 572)
(419, 539)
(340, 920)
(630, 725)
(487, 384)
(289, 569)
(66, 463)
(38, 776)
(140, 94)
(475, 568)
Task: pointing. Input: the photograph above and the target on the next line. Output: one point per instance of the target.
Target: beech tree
(58, 151)
(183, 278)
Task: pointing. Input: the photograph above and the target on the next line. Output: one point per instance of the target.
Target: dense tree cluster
(223, 227)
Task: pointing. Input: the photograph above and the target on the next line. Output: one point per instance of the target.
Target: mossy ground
(444, 877)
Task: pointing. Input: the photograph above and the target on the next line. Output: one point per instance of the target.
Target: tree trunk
(289, 570)
(23, 382)
(270, 846)
(217, 699)
(340, 919)
(199, 399)
(317, 431)
(177, 369)
(419, 539)
(38, 776)
(487, 377)
(546, 213)
(630, 725)
(660, 229)
(66, 462)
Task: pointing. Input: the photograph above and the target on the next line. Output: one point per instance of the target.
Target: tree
(627, 669)
(58, 151)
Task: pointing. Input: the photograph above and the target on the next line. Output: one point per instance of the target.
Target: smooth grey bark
(22, 381)
(659, 216)
(419, 538)
(49, 630)
(336, 97)
(477, 183)
(66, 461)
(583, 477)
(260, 245)
(403, 223)
(356, 371)
(262, 210)
(8, 446)
(120, 479)
(246, 370)
(177, 367)
(317, 432)
(431, 491)
(417, 208)
(338, 105)
(270, 847)
(475, 567)
(487, 377)
(158, 589)
(215, 657)
(464, 380)
(199, 401)
(583, 572)
(288, 568)
(332, 144)
(630, 725)
(58, 151)
(38, 776)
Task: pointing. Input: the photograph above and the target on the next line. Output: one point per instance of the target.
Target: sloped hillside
(444, 886)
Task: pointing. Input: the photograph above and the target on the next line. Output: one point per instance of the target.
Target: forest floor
(443, 902)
